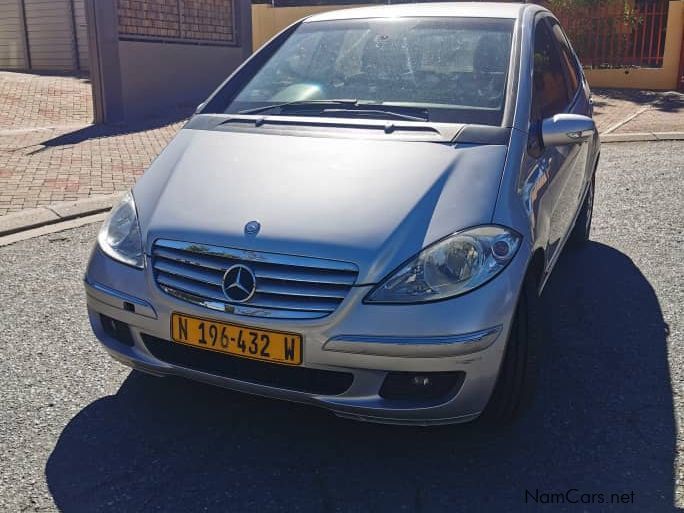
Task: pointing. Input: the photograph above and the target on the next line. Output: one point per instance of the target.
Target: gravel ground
(80, 433)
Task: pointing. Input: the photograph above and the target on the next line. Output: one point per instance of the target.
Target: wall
(189, 20)
(153, 57)
(157, 77)
(665, 78)
(186, 49)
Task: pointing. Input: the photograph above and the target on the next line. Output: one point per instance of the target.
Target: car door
(563, 167)
(580, 103)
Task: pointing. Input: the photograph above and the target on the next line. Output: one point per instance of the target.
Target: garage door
(49, 25)
(11, 40)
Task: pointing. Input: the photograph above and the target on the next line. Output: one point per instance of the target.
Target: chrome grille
(287, 287)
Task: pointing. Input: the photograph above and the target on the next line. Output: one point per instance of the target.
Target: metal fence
(617, 34)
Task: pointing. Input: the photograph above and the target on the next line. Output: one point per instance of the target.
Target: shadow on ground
(113, 130)
(663, 101)
(602, 423)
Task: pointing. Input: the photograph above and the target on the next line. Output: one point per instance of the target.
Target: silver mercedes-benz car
(362, 217)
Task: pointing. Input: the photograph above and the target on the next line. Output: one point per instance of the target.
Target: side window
(568, 60)
(550, 92)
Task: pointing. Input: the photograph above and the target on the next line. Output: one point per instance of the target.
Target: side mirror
(564, 129)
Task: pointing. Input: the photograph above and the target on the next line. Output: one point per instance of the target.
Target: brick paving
(33, 174)
(49, 151)
(30, 101)
(611, 107)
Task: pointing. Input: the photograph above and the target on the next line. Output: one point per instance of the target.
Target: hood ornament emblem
(252, 228)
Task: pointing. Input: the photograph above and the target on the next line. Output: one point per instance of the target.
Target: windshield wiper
(351, 106)
(376, 113)
(300, 103)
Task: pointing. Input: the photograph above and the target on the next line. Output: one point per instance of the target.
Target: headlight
(120, 237)
(449, 267)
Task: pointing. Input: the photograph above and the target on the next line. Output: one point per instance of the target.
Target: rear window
(453, 68)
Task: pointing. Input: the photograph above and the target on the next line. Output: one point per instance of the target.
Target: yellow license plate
(270, 346)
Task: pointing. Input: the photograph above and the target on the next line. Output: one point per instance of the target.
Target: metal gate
(617, 35)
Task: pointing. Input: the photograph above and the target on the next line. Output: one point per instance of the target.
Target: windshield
(452, 69)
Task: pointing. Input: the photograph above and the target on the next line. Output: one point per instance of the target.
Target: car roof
(445, 9)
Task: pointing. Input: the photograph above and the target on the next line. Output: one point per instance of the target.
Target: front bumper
(466, 334)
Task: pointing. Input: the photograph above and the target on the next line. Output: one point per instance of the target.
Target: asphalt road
(81, 433)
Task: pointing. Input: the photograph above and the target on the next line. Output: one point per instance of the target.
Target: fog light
(421, 381)
(117, 330)
(430, 386)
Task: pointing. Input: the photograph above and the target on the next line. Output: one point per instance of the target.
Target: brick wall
(208, 19)
(196, 20)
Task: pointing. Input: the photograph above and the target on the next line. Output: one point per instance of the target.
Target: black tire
(581, 231)
(517, 378)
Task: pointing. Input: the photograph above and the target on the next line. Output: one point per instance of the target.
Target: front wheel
(520, 366)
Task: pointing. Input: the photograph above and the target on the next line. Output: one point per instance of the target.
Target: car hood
(371, 202)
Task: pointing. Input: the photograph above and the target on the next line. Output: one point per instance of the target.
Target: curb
(56, 213)
(641, 137)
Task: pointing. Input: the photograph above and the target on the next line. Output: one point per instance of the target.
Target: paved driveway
(50, 152)
(80, 433)
(37, 101)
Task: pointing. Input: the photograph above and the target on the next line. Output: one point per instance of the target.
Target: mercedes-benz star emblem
(252, 228)
(239, 283)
